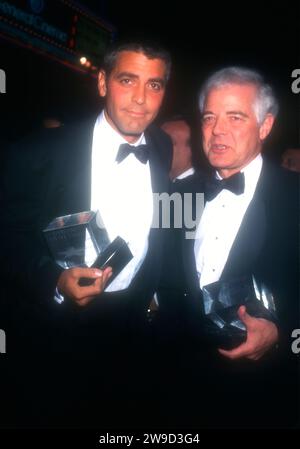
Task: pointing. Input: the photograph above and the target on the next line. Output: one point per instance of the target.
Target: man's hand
(261, 336)
(68, 284)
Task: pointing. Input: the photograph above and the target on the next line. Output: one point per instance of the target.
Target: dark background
(201, 36)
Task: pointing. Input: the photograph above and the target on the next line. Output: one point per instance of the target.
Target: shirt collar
(188, 172)
(251, 173)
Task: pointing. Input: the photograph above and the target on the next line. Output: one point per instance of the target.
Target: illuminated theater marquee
(32, 20)
(61, 29)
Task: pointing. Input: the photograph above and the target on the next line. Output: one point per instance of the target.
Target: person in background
(179, 130)
(51, 122)
(291, 159)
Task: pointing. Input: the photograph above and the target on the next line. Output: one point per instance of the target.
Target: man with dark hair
(75, 169)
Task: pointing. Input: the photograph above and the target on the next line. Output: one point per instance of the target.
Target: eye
(125, 81)
(155, 85)
(235, 118)
(208, 119)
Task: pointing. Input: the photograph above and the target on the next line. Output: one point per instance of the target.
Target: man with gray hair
(238, 111)
(249, 227)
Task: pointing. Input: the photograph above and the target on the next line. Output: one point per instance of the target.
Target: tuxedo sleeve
(281, 266)
(26, 264)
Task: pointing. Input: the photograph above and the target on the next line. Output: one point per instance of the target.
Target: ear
(102, 83)
(266, 126)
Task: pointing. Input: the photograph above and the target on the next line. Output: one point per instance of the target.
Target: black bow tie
(235, 183)
(140, 152)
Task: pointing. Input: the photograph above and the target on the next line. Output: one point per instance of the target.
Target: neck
(227, 172)
(130, 138)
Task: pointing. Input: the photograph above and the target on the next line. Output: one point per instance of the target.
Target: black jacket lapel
(160, 158)
(251, 236)
(75, 187)
(249, 241)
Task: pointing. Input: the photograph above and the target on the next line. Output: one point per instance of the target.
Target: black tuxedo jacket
(49, 176)
(266, 246)
(74, 358)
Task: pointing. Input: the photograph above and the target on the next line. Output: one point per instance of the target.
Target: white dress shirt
(220, 223)
(122, 193)
(190, 171)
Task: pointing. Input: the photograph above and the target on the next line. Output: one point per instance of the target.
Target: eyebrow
(127, 74)
(228, 113)
(134, 76)
(237, 113)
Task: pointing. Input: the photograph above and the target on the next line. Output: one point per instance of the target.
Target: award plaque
(221, 301)
(81, 240)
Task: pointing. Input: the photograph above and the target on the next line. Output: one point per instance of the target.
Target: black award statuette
(81, 240)
(221, 301)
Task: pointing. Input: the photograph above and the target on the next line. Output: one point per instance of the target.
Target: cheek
(245, 140)
(154, 102)
(117, 97)
(206, 134)
(246, 134)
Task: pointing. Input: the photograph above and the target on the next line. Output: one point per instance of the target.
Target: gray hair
(265, 102)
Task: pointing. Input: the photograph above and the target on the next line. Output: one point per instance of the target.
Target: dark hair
(176, 118)
(150, 49)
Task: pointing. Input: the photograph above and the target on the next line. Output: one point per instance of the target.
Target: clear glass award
(221, 301)
(81, 240)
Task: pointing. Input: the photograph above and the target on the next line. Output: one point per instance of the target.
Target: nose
(220, 126)
(139, 94)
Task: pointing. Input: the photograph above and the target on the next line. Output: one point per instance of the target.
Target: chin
(216, 162)
(134, 132)
(130, 131)
(135, 127)
(219, 160)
